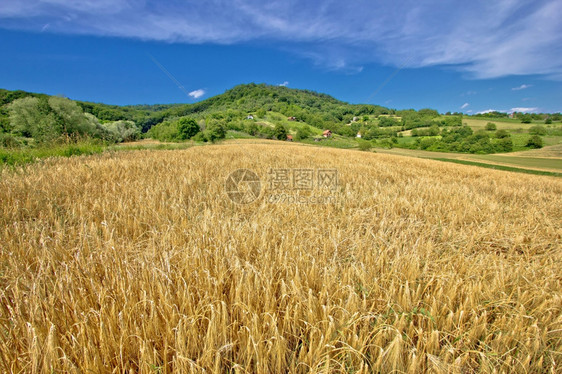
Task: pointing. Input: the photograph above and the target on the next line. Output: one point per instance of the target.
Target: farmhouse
(292, 118)
(327, 133)
(289, 138)
(359, 134)
(250, 117)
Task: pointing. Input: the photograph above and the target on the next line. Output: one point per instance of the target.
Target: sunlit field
(139, 262)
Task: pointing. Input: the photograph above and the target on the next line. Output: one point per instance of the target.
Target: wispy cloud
(484, 38)
(465, 105)
(284, 84)
(197, 93)
(522, 87)
(524, 110)
(490, 110)
(518, 109)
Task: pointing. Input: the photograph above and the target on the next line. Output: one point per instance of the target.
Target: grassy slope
(546, 159)
(527, 159)
(532, 162)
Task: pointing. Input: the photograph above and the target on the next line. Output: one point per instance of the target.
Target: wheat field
(138, 262)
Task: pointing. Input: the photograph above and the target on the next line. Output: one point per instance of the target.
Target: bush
(187, 128)
(526, 118)
(490, 126)
(215, 131)
(501, 134)
(123, 131)
(302, 133)
(504, 145)
(252, 129)
(537, 130)
(434, 130)
(280, 132)
(200, 137)
(534, 141)
(165, 132)
(547, 121)
(386, 143)
(9, 141)
(364, 145)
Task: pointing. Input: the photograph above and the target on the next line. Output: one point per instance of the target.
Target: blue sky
(448, 55)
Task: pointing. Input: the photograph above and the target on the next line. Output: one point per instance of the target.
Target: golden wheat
(138, 262)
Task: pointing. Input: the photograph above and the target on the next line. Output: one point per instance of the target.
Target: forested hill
(311, 107)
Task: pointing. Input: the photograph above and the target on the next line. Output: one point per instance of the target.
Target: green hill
(257, 110)
(315, 109)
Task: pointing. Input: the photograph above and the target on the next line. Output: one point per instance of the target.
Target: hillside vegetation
(139, 262)
(257, 110)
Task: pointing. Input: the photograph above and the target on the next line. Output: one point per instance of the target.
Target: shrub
(534, 141)
(215, 131)
(123, 131)
(526, 118)
(302, 133)
(165, 132)
(490, 126)
(434, 130)
(386, 143)
(364, 145)
(500, 134)
(200, 137)
(280, 132)
(537, 130)
(9, 141)
(187, 128)
(252, 129)
(504, 145)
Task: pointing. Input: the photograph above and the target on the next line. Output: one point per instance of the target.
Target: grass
(273, 118)
(532, 162)
(138, 261)
(335, 141)
(499, 167)
(13, 157)
(501, 123)
(22, 156)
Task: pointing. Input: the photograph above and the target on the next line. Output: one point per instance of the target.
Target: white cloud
(284, 84)
(518, 109)
(491, 110)
(524, 110)
(522, 87)
(465, 105)
(197, 93)
(484, 38)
